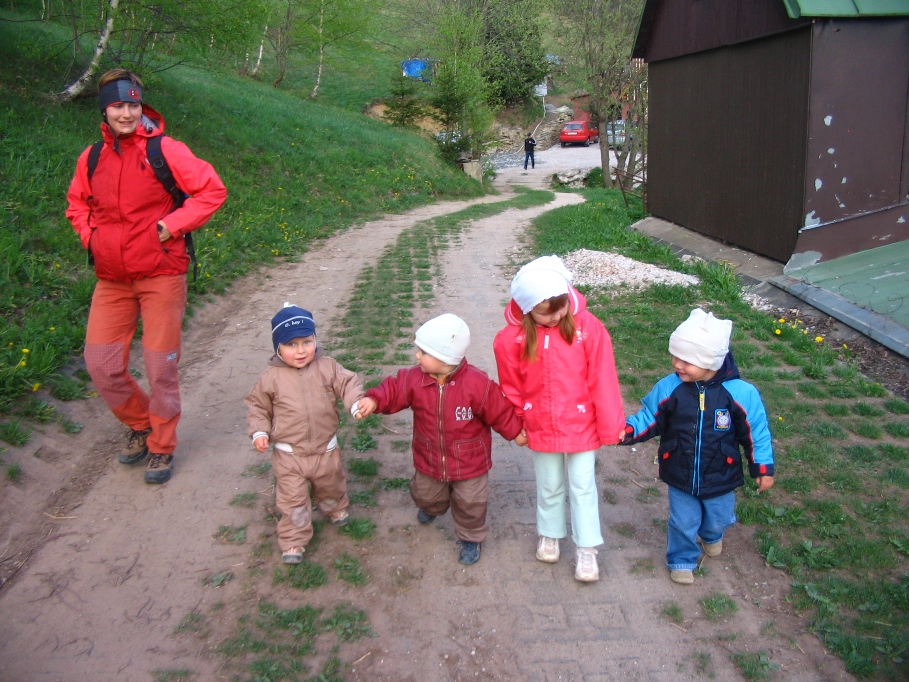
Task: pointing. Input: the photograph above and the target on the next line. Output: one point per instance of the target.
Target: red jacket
(116, 214)
(451, 421)
(569, 397)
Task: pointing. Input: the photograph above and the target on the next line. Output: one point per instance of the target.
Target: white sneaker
(587, 570)
(547, 549)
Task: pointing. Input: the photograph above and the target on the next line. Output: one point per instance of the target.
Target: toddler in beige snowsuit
(293, 408)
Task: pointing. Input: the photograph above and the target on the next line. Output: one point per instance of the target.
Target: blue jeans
(582, 490)
(690, 518)
(528, 156)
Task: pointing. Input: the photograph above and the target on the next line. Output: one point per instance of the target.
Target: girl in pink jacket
(556, 366)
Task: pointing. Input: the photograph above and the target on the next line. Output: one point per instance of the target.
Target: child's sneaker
(158, 468)
(340, 518)
(425, 518)
(714, 549)
(470, 552)
(547, 549)
(135, 449)
(587, 570)
(682, 577)
(294, 555)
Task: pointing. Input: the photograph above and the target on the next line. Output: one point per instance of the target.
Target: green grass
(246, 500)
(755, 665)
(231, 535)
(350, 570)
(303, 576)
(718, 606)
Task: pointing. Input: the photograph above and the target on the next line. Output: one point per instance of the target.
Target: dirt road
(107, 596)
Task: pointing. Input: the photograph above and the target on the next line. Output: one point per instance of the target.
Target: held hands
(625, 433)
(365, 407)
(764, 483)
(261, 443)
(521, 438)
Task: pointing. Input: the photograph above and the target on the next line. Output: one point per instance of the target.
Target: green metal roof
(846, 8)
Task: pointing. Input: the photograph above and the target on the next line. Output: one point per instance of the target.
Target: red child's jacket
(451, 421)
(569, 397)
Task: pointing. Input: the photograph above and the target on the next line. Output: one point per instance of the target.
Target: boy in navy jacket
(705, 416)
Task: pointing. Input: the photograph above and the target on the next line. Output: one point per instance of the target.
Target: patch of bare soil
(101, 591)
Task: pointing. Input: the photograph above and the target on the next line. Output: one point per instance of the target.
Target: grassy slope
(296, 171)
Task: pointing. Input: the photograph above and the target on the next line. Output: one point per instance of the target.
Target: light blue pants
(550, 470)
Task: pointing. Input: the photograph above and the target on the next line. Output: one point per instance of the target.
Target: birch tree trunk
(79, 86)
(255, 69)
(315, 89)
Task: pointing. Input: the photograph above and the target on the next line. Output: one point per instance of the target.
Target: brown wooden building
(780, 126)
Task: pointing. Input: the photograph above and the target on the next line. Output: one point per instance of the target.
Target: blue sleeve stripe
(748, 400)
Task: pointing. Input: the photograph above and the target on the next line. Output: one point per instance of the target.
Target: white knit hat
(445, 337)
(702, 340)
(538, 281)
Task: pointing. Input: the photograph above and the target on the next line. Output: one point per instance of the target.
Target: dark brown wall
(859, 88)
(727, 140)
(680, 27)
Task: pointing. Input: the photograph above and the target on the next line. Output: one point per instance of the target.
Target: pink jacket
(451, 421)
(569, 397)
(116, 214)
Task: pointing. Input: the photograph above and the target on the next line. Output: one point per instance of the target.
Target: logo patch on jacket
(463, 414)
(721, 420)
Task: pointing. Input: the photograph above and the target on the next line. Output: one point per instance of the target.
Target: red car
(579, 132)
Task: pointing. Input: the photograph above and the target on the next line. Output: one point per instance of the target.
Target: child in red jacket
(556, 366)
(454, 407)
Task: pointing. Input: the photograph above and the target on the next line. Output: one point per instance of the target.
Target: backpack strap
(93, 155)
(166, 177)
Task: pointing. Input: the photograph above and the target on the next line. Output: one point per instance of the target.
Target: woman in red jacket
(556, 366)
(126, 219)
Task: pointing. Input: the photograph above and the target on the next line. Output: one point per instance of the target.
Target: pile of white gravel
(598, 268)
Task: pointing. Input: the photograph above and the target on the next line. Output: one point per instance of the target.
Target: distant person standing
(128, 222)
(529, 144)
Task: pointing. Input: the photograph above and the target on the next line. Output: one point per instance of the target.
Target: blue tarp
(414, 68)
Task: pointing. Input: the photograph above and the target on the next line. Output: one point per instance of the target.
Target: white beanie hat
(538, 281)
(702, 340)
(445, 337)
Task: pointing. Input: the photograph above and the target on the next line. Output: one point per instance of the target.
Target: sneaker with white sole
(586, 570)
(135, 449)
(294, 555)
(547, 549)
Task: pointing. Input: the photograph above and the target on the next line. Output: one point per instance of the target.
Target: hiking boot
(682, 577)
(547, 549)
(294, 555)
(158, 468)
(339, 518)
(425, 518)
(714, 549)
(470, 552)
(587, 570)
(135, 449)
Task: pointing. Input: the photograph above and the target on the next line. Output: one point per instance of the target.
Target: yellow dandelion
(53, 329)
(818, 339)
(780, 418)
(845, 346)
(22, 364)
(26, 351)
(35, 387)
(782, 320)
(778, 331)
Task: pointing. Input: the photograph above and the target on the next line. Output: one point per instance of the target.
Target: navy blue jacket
(703, 429)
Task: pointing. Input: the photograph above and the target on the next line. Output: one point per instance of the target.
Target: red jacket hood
(514, 314)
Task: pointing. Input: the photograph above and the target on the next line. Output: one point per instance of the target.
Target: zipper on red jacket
(441, 432)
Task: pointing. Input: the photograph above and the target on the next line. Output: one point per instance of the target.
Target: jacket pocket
(423, 457)
(667, 448)
(470, 458)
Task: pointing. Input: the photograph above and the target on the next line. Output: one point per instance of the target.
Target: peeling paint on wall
(828, 120)
(831, 150)
(811, 220)
(818, 184)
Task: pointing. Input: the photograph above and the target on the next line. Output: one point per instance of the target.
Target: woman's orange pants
(112, 321)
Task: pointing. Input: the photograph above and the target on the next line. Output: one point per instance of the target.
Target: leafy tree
(136, 35)
(602, 44)
(514, 59)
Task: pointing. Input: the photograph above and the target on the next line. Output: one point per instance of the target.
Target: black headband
(119, 91)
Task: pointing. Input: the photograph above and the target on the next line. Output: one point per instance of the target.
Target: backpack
(165, 177)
